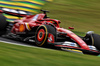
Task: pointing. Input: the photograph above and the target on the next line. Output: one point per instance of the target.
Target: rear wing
(13, 12)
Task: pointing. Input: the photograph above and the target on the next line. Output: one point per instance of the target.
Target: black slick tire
(43, 31)
(3, 24)
(94, 40)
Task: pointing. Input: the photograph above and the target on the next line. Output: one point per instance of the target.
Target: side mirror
(71, 28)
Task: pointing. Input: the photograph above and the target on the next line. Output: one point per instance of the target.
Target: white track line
(36, 46)
(23, 45)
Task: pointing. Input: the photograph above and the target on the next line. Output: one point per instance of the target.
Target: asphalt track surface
(30, 44)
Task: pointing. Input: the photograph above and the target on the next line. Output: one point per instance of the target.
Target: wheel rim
(40, 35)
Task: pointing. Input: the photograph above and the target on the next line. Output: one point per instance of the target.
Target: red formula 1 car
(44, 31)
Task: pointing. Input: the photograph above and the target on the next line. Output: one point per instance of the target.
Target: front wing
(71, 45)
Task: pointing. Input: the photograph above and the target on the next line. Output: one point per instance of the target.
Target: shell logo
(21, 28)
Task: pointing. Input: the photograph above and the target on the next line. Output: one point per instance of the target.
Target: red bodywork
(28, 22)
(31, 21)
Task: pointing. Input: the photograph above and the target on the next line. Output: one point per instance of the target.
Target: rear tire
(3, 24)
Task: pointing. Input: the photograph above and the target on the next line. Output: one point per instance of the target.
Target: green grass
(14, 55)
(84, 15)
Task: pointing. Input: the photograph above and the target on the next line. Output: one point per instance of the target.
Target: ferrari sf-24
(44, 31)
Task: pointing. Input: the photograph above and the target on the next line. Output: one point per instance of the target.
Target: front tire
(42, 32)
(94, 40)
